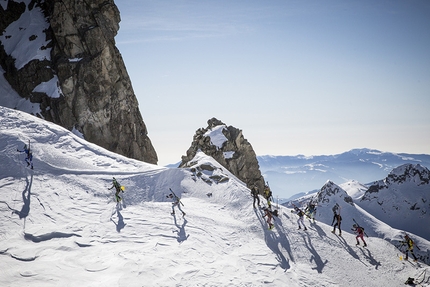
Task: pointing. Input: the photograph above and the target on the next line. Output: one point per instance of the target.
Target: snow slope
(60, 226)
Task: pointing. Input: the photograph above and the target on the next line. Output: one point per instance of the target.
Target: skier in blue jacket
(29, 157)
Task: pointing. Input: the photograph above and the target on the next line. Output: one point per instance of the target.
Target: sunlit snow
(61, 227)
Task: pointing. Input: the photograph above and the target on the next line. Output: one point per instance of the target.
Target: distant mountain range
(290, 175)
(401, 199)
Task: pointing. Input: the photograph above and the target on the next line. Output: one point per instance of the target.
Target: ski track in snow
(62, 227)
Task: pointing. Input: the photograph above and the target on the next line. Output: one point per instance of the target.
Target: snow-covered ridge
(61, 227)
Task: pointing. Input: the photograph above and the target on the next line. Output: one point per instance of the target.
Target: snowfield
(61, 226)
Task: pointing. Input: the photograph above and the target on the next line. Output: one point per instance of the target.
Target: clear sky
(297, 77)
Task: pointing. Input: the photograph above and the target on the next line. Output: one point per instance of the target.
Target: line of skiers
(310, 212)
(119, 188)
(268, 212)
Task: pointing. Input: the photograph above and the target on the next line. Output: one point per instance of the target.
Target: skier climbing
(311, 210)
(301, 214)
(410, 247)
(176, 202)
(118, 189)
(254, 193)
(338, 220)
(360, 233)
(29, 157)
(268, 213)
(268, 195)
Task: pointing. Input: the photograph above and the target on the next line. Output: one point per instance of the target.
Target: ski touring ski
(176, 196)
(360, 227)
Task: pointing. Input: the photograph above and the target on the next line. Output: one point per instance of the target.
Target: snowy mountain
(402, 206)
(401, 198)
(290, 175)
(61, 227)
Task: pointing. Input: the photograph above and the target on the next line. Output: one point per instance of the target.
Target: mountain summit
(227, 145)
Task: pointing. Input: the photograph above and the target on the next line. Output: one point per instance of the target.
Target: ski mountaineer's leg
(362, 239)
(118, 198)
(301, 222)
(179, 207)
(413, 254)
(173, 208)
(356, 238)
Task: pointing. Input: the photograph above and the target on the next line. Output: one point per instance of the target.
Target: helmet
(355, 225)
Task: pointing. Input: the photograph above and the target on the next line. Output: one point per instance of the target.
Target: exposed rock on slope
(228, 147)
(71, 67)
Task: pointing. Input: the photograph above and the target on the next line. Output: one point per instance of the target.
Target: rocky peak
(61, 57)
(413, 175)
(409, 173)
(332, 193)
(227, 145)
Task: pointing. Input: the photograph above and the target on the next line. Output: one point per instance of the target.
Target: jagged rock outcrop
(74, 71)
(407, 175)
(228, 147)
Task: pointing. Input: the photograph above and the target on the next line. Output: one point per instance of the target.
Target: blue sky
(297, 77)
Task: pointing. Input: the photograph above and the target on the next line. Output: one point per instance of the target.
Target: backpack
(335, 208)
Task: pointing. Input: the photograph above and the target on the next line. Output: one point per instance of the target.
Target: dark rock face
(413, 175)
(229, 148)
(331, 190)
(95, 95)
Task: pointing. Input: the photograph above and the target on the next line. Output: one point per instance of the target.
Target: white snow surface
(51, 88)
(25, 40)
(61, 227)
(216, 135)
(10, 98)
(16, 38)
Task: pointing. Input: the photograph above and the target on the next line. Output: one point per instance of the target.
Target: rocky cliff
(228, 147)
(61, 57)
